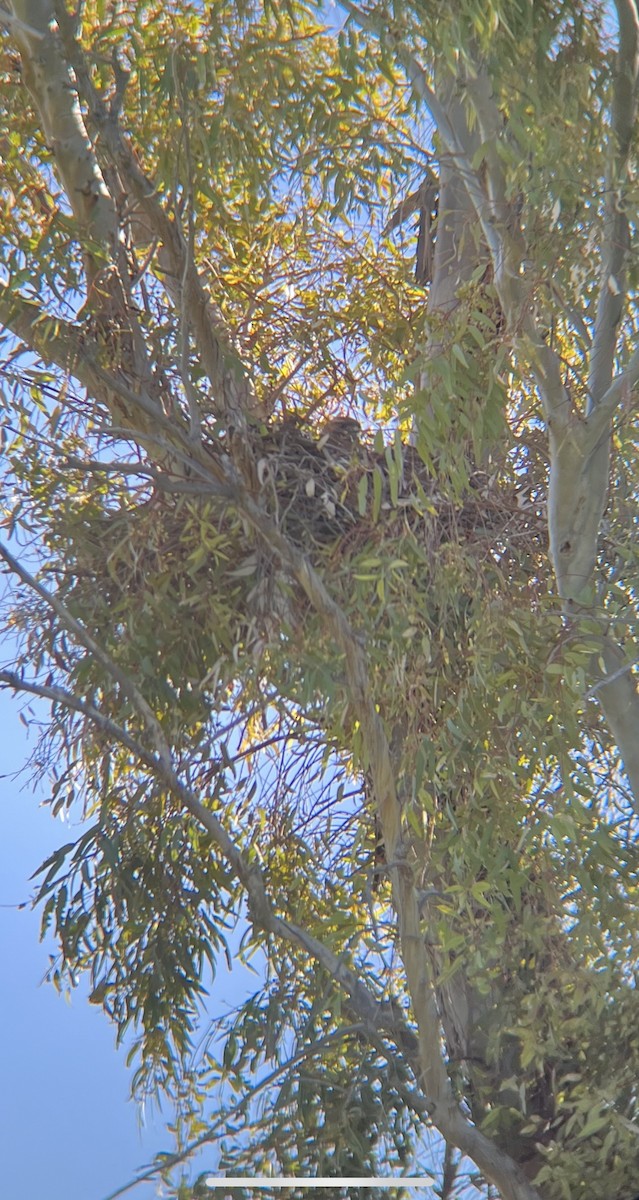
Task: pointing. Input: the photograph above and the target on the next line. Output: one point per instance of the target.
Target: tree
(277, 507)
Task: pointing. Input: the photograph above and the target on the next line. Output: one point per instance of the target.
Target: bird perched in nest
(302, 474)
(340, 439)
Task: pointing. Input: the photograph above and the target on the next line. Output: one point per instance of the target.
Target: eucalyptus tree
(324, 565)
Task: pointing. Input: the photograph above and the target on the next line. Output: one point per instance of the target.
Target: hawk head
(340, 438)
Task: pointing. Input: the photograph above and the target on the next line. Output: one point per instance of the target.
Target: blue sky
(68, 1130)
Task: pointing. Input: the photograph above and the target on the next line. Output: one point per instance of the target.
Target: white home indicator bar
(264, 1181)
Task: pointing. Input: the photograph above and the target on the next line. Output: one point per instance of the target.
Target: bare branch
(606, 680)
(625, 96)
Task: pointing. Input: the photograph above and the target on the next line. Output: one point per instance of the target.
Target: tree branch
(379, 1016)
(85, 639)
(616, 243)
(56, 341)
(432, 1072)
(59, 695)
(63, 344)
(492, 212)
(446, 1114)
(226, 371)
(617, 393)
(50, 83)
(12, 22)
(163, 481)
(54, 90)
(619, 699)
(173, 1160)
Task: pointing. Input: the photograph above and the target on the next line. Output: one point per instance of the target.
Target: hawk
(340, 439)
